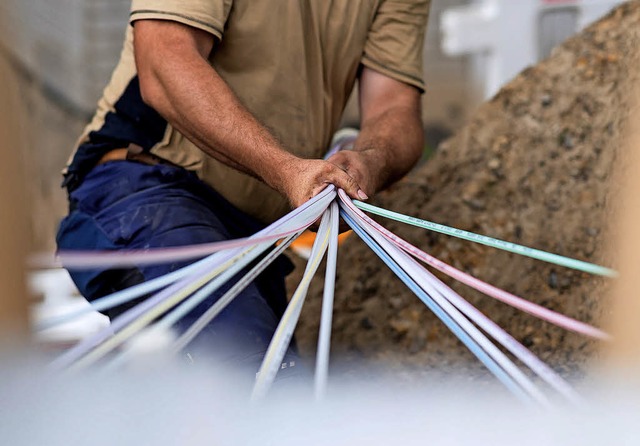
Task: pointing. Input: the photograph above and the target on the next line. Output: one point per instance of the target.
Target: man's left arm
(391, 137)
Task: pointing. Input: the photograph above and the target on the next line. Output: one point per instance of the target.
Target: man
(215, 122)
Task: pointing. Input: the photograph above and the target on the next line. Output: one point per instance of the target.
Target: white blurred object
(506, 36)
(60, 297)
(152, 342)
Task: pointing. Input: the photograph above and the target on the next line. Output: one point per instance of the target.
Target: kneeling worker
(214, 124)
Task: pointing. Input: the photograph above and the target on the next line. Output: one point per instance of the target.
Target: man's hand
(303, 179)
(388, 146)
(364, 166)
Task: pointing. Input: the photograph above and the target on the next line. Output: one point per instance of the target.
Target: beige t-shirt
(292, 63)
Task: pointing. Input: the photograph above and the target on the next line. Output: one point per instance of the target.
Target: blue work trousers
(129, 205)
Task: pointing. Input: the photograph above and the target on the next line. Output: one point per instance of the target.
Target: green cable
(490, 241)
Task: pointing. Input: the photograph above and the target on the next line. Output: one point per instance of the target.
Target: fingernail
(362, 195)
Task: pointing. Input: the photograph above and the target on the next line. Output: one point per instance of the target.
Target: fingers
(343, 180)
(310, 177)
(342, 162)
(353, 164)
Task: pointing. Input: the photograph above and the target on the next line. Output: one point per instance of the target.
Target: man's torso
(291, 63)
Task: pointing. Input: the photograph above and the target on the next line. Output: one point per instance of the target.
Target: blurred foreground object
(13, 229)
(59, 295)
(625, 323)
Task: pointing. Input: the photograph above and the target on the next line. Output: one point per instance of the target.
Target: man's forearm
(391, 139)
(188, 92)
(392, 142)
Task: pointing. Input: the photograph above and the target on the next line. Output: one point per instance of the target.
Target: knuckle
(352, 182)
(327, 168)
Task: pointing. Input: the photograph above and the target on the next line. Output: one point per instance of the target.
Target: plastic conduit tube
(137, 257)
(282, 336)
(424, 279)
(545, 372)
(499, 334)
(142, 319)
(315, 205)
(510, 299)
(490, 241)
(193, 301)
(206, 285)
(185, 338)
(94, 346)
(152, 285)
(324, 335)
(179, 312)
(78, 259)
(464, 337)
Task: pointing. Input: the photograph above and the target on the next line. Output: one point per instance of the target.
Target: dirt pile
(533, 166)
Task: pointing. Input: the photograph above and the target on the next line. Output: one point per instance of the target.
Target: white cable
(324, 336)
(282, 337)
(221, 303)
(416, 272)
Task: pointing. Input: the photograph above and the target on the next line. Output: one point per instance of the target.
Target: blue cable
(463, 336)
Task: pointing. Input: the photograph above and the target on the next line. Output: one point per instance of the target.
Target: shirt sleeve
(395, 41)
(207, 15)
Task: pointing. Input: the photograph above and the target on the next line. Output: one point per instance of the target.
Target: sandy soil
(533, 166)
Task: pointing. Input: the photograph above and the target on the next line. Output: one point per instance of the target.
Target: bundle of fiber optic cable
(176, 294)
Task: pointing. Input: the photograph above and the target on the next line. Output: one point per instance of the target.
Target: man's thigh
(131, 206)
(162, 215)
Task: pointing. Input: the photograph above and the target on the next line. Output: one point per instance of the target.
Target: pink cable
(510, 299)
(137, 257)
